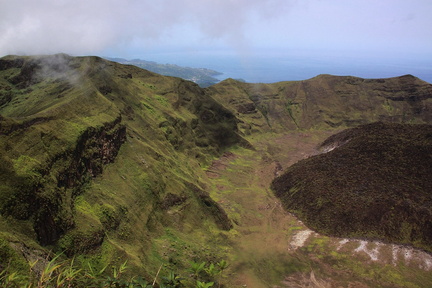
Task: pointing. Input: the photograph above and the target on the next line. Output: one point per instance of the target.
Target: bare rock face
(247, 108)
(41, 195)
(95, 148)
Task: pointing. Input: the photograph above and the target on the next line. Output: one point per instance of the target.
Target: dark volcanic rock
(376, 183)
(247, 108)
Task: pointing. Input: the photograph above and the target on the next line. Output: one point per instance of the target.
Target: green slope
(107, 162)
(98, 156)
(325, 102)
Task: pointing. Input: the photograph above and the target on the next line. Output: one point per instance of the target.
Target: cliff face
(65, 120)
(108, 160)
(44, 193)
(95, 148)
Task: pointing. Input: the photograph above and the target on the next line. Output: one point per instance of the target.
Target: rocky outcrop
(47, 194)
(95, 147)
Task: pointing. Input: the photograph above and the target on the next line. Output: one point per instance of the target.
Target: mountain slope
(108, 162)
(97, 154)
(376, 183)
(325, 102)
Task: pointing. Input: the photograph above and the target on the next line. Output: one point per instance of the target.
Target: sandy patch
(372, 253)
(377, 251)
(409, 255)
(342, 243)
(299, 239)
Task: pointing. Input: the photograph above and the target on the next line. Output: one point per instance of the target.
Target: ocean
(275, 67)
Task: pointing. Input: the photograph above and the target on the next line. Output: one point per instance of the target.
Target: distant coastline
(271, 68)
(204, 77)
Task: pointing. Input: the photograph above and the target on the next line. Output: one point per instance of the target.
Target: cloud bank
(82, 27)
(89, 26)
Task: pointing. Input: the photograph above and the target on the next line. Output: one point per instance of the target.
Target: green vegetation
(105, 163)
(66, 273)
(87, 168)
(289, 106)
(325, 102)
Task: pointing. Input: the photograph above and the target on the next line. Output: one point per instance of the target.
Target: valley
(272, 242)
(104, 164)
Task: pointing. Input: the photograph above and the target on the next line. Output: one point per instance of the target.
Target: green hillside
(326, 101)
(97, 155)
(105, 163)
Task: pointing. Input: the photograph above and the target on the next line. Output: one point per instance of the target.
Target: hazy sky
(126, 28)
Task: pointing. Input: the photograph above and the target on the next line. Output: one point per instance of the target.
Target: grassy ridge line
(149, 202)
(325, 102)
(145, 197)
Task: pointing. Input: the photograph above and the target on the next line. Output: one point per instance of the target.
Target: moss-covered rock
(107, 161)
(92, 159)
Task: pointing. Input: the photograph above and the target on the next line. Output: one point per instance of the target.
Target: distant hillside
(325, 101)
(374, 182)
(202, 76)
(105, 162)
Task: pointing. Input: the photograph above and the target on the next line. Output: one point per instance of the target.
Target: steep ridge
(325, 101)
(107, 162)
(66, 120)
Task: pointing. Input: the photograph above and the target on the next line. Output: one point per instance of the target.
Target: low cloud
(91, 26)
(124, 27)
